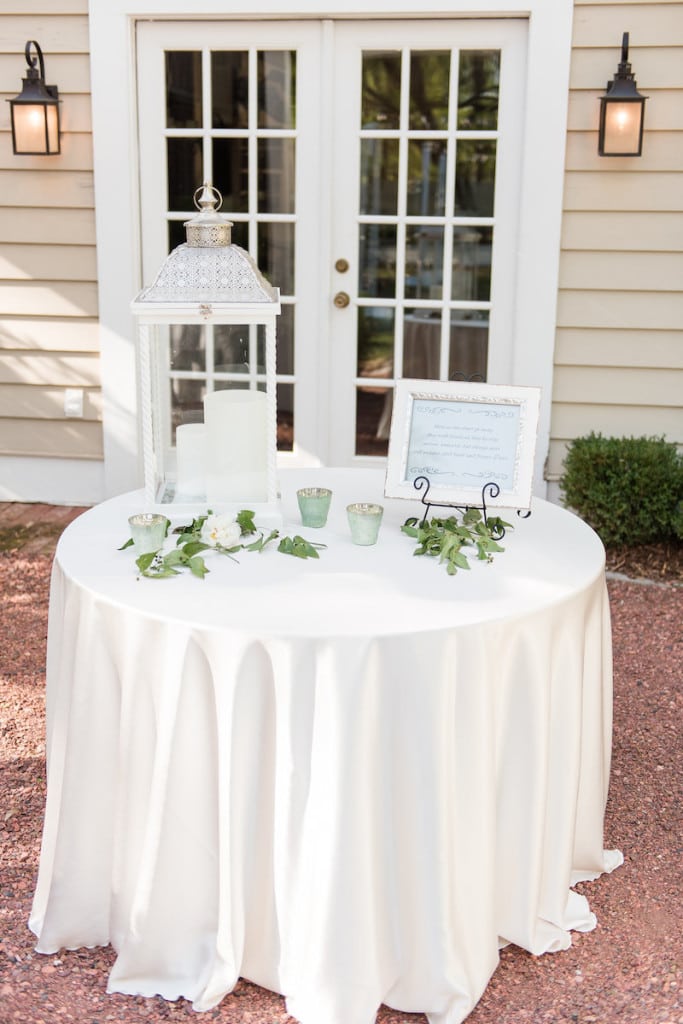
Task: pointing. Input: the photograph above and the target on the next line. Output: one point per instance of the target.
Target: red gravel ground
(627, 970)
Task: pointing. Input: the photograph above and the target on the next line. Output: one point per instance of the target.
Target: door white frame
(113, 61)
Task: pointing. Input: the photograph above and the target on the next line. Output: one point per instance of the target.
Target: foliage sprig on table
(445, 538)
(221, 534)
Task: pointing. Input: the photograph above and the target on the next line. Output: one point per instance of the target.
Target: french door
(372, 170)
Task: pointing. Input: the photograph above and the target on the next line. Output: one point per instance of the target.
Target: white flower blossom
(221, 531)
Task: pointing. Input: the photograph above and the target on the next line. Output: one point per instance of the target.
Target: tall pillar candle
(236, 446)
(190, 444)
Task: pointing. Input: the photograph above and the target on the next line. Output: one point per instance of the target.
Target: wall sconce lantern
(35, 112)
(622, 111)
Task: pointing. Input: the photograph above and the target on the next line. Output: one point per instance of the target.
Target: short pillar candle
(236, 445)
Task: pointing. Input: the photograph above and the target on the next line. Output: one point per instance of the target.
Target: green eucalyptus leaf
(129, 543)
(197, 566)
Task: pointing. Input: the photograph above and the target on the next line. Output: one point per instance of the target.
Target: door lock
(341, 300)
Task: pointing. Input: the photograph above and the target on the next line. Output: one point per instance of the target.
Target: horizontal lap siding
(48, 277)
(619, 340)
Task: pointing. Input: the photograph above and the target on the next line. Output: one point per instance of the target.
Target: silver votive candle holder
(148, 530)
(314, 504)
(365, 519)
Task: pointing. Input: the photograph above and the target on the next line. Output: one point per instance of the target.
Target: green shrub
(629, 489)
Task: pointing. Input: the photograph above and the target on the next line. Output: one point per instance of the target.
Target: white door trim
(112, 38)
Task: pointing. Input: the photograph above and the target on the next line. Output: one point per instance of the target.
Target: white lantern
(227, 457)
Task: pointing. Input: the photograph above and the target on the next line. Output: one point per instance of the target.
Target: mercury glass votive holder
(364, 521)
(314, 504)
(148, 530)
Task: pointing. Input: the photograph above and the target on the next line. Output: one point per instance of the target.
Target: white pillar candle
(236, 446)
(190, 443)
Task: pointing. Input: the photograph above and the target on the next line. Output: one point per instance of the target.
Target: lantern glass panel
(622, 127)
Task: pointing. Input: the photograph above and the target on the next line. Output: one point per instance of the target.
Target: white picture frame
(463, 436)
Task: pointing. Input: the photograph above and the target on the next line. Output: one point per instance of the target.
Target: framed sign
(462, 436)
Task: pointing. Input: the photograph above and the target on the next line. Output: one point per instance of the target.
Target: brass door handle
(341, 300)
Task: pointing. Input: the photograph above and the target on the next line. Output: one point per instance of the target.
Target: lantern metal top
(208, 267)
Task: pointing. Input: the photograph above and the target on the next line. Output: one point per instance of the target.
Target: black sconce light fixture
(622, 112)
(35, 112)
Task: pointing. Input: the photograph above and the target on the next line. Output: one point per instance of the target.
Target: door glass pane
(373, 420)
(478, 89)
(377, 260)
(381, 90)
(276, 254)
(229, 89)
(285, 417)
(429, 76)
(426, 178)
(285, 340)
(475, 174)
(379, 176)
(421, 343)
(184, 171)
(469, 341)
(375, 341)
(472, 263)
(276, 72)
(183, 89)
(424, 261)
(231, 173)
(276, 184)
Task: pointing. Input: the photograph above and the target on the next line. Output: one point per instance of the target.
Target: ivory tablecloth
(347, 780)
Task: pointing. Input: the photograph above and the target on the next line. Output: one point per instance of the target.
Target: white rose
(221, 531)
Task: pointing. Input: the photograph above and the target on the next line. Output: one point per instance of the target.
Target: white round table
(349, 780)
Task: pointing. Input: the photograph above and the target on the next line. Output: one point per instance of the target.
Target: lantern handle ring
(210, 197)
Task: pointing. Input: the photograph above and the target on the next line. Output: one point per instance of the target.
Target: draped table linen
(349, 780)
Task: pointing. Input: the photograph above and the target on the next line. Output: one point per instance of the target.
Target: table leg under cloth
(346, 821)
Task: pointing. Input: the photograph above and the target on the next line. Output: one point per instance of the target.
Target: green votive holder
(314, 504)
(364, 521)
(148, 530)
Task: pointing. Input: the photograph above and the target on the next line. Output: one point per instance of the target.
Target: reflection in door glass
(183, 89)
(377, 260)
(275, 162)
(422, 343)
(475, 174)
(373, 420)
(375, 341)
(426, 178)
(276, 254)
(230, 173)
(185, 170)
(424, 261)
(472, 263)
(229, 89)
(381, 90)
(468, 352)
(429, 75)
(379, 176)
(478, 89)
(276, 73)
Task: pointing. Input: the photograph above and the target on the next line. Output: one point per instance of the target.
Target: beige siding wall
(48, 288)
(619, 341)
